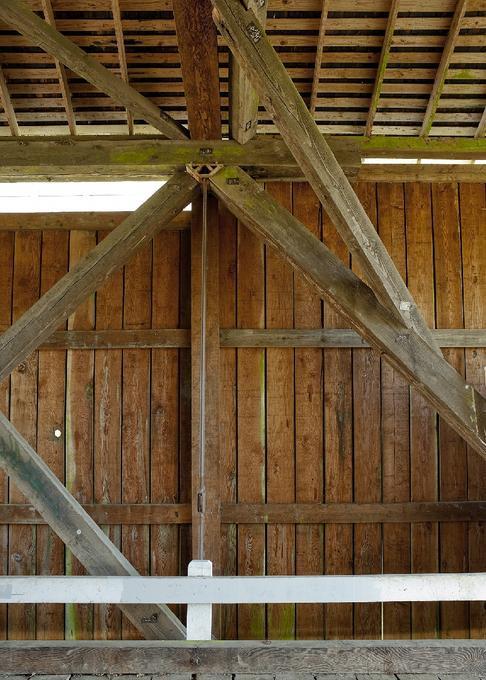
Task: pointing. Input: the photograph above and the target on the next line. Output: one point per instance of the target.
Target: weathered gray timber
(19, 16)
(77, 530)
(244, 100)
(116, 157)
(43, 318)
(457, 402)
(249, 44)
(404, 656)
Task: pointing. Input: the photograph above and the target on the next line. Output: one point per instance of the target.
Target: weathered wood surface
(244, 100)
(436, 656)
(249, 44)
(117, 157)
(267, 513)
(171, 338)
(44, 316)
(88, 221)
(21, 18)
(460, 404)
(81, 535)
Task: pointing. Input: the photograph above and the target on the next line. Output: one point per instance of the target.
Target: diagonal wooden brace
(77, 530)
(43, 318)
(249, 44)
(458, 403)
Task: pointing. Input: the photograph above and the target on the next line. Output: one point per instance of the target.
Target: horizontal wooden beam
(168, 338)
(465, 657)
(269, 513)
(265, 156)
(85, 221)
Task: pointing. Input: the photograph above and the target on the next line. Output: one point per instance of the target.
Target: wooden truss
(384, 313)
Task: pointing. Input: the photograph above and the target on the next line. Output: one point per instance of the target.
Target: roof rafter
(18, 15)
(61, 72)
(481, 131)
(250, 45)
(383, 63)
(120, 41)
(461, 406)
(7, 106)
(441, 75)
(319, 51)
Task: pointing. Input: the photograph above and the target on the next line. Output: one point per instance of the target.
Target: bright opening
(41, 197)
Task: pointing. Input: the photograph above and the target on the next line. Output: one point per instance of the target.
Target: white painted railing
(199, 590)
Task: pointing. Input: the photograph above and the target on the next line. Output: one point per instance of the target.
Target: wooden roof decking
(353, 34)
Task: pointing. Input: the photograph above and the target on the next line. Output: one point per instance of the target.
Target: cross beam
(457, 402)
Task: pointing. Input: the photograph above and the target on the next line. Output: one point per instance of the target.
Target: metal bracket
(202, 171)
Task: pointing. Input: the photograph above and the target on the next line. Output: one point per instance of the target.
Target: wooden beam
(382, 65)
(61, 72)
(441, 75)
(481, 131)
(198, 48)
(76, 529)
(20, 17)
(465, 658)
(318, 60)
(7, 105)
(236, 337)
(79, 221)
(243, 98)
(458, 403)
(116, 249)
(267, 513)
(120, 41)
(115, 158)
(249, 44)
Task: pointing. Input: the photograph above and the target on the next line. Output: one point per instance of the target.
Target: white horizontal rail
(242, 589)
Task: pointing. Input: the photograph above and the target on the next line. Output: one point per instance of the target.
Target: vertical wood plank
(338, 420)
(280, 425)
(454, 616)
(51, 432)
(251, 423)
(79, 430)
(367, 458)
(308, 423)
(395, 423)
(227, 406)
(164, 477)
(23, 414)
(473, 232)
(7, 242)
(423, 419)
(137, 315)
(107, 430)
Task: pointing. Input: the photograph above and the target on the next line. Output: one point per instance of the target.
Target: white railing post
(199, 616)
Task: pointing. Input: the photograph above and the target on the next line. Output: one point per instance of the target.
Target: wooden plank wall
(306, 425)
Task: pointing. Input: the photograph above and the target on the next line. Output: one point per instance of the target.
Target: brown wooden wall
(306, 425)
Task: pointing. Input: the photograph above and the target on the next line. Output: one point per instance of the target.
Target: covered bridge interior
(287, 378)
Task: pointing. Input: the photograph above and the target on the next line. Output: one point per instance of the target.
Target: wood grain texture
(437, 656)
(21, 18)
(36, 324)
